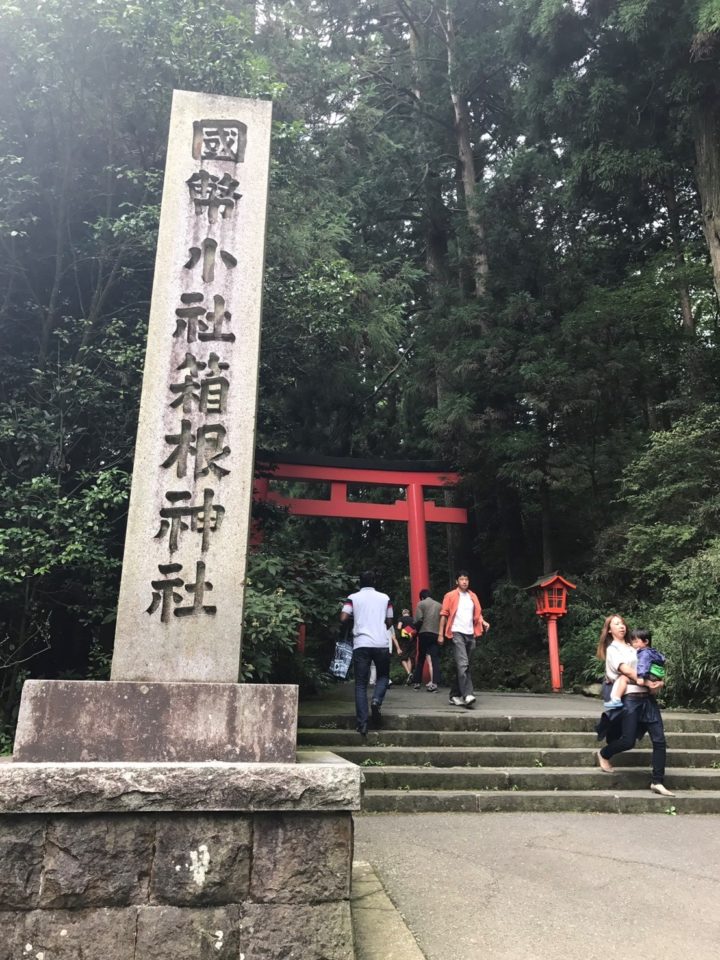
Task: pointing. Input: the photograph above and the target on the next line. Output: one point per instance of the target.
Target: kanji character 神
(204, 519)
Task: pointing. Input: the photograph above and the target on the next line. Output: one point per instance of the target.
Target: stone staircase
(466, 761)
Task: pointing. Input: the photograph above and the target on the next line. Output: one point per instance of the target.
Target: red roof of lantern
(548, 579)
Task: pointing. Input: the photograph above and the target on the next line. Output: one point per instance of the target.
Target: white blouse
(617, 653)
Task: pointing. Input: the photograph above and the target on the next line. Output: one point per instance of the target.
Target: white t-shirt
(617, 653)
(463, 622)
(369, 609)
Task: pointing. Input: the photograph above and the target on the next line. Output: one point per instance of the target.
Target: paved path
(551, 886)
(403, 700)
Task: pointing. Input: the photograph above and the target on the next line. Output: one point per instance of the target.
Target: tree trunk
(519, 568)
(688, 320)
(707, 173)
(547, 533)
(468, 174)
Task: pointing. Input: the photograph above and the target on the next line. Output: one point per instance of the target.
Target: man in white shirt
(372, 614)
(462, 621)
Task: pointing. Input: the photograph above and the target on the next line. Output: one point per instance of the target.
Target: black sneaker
(376, 715)
(362, 729)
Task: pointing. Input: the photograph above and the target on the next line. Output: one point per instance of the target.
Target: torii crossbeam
(412, 475)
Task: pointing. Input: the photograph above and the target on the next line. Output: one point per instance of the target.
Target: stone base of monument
(88, 720)
(177, 861)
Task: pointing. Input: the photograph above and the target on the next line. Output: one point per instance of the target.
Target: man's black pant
(638, 710)
(363, 657)
(428, 644)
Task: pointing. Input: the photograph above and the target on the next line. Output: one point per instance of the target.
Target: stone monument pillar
(163, 813)
(177, 649)
(181, 597)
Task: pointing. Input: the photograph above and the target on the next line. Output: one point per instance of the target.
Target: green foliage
(686, 628)
(84, 109)
(283, 591)
(512, 655)
(670, 506)
(579, 632)
(547, 325)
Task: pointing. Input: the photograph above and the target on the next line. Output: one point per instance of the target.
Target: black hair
(643, 635)
(462, 573)
(367, 578)
(424, 594)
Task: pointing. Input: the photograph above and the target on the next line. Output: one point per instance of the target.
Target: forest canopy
(494, 240)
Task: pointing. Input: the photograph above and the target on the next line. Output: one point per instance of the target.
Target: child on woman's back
(650, 666)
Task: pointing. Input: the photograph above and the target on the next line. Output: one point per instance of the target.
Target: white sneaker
(469, 698)
(456, 701)
(661, 789)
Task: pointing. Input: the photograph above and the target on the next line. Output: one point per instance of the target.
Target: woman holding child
(640, 711)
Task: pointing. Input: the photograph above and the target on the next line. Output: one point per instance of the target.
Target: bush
(283, 592)
(513, 653)
(686, 628)
(579, 633)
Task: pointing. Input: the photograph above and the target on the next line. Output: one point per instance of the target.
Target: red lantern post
(551, 593)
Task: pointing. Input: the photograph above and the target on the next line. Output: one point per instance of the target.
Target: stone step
(369, 756)
(539, 801)
(460, 719)
(531, 778)
(334, 739)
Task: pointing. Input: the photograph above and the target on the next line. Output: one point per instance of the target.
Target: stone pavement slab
(379, 931)
(404, 699)
(550, 886)
(339, 699)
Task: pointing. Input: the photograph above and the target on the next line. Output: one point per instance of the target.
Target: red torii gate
(415, 510)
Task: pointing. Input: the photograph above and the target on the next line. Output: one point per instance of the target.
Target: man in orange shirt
(461, 622)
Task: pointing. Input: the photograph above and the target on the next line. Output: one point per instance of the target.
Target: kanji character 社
(194, 322)
(166, 597)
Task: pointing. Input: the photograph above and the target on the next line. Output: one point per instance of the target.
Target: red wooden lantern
(551, 593)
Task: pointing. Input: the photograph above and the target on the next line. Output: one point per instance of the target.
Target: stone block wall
(176, 886)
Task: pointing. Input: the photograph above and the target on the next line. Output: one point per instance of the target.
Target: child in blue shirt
(650, 666)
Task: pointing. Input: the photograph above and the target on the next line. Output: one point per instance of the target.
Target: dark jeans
(428, 647)
(640, 714)
(362, 658)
